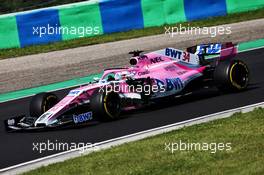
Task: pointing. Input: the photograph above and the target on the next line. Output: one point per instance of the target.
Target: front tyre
(106, 106)
(41, 103)
(231, 75)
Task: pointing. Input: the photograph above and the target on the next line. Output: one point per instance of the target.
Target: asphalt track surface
(17, 148)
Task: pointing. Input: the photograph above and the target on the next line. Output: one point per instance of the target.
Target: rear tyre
(41, 103)
(231, 76)
(106, 106)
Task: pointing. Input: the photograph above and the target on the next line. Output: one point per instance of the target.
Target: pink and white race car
(151, 77)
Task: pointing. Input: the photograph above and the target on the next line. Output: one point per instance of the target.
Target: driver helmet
(121, 75)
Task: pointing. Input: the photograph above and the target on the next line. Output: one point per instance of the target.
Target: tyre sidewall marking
(105, 107)
(46, 100)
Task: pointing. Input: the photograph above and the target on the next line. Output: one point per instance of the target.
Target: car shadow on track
(202, 94)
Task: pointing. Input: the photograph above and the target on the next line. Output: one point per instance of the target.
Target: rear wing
(225, 50)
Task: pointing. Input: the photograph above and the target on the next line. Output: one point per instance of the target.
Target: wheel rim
(112, 104)
(49, 102)
(239, 75)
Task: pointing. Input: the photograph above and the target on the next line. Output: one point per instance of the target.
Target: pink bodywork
(161, 65)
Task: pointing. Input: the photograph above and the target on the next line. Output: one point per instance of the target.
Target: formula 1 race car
(151, 77)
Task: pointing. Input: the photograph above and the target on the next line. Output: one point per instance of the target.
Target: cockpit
(116, 75)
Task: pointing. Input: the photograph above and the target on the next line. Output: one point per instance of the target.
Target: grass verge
(232, 18)
(148, 156)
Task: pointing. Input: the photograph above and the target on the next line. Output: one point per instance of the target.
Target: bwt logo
(83, 117)
(74, 92)
(175, 84)
(173, 53)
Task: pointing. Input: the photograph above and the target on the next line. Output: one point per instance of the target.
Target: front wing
(25, 123)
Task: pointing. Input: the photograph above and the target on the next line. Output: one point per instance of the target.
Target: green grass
(15, 52)
(148, 156)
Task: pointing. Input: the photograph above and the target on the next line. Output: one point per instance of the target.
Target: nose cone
(44, 119)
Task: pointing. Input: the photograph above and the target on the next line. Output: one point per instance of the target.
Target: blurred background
(10, 6)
